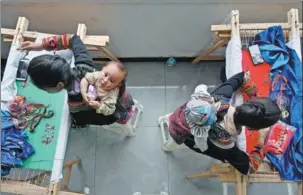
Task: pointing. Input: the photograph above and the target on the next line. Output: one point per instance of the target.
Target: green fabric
(45, 154)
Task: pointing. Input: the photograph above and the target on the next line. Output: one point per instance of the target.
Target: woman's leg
(234, 156)
(230, 86)
(238, 159)
(212, 151)
(90, 117)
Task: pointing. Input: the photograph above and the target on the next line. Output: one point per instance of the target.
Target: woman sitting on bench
(208, 124)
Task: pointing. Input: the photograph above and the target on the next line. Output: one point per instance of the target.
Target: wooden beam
(206, 174)
(90, 40)
(250, 33)
(251, 26)
(25, 188)
(213, 48)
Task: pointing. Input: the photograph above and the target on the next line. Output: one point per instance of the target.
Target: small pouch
(279, 137)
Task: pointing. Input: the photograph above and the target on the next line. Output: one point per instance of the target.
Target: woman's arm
(61, 42)
(74, 43)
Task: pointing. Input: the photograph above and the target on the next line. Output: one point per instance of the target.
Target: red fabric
(279, 138)
(178, 128)
(260, 76)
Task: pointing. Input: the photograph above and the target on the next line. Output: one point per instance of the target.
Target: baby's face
(111, 77)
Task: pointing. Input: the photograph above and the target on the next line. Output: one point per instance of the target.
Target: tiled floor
(114, 165)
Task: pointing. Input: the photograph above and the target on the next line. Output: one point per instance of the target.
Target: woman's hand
(96, 105)
(30, 46)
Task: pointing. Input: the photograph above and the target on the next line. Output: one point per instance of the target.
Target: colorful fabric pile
(14, 143)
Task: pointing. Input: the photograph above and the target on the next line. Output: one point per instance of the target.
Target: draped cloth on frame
(285, 61)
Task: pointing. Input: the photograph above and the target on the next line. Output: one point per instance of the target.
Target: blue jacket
(285, 63)
(14, 144)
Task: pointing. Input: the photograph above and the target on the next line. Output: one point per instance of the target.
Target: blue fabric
(14, 144)
(285, 62)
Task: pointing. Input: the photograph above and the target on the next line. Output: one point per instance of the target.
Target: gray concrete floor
(115, 165)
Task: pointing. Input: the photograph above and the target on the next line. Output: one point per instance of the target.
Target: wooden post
(300, 188)
(241, 184)
(293, 22)
(67, 177)
(68, 170)
(81, 31)
(235, 25)
(21, 27)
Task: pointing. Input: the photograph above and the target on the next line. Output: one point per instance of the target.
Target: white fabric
(234, 66)
(8, 84)
(295, 43)
(61, 143)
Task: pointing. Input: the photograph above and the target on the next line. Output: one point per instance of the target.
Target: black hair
(46, 71)
(257, 113)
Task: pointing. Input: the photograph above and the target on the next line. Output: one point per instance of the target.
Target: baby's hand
(96, 105)
(85, 99)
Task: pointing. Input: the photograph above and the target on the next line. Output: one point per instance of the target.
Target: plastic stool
(128, 128)
(168, 142)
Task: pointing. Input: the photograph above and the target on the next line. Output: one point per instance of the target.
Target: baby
(100, 89)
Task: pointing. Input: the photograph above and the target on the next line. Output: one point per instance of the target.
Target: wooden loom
(223, 32)
(35, 184)
(93, 42)
(225, 172)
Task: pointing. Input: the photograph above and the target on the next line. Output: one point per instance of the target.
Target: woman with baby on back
(94, 97)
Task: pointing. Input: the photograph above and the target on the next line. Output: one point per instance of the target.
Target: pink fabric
(178, 128)
(131, 112)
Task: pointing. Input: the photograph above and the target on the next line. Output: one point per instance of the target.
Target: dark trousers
(90, 117)
(234, 156)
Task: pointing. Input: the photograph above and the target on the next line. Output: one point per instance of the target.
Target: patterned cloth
(249, 87)
(56, 42)
(199, 117)
(178, 127)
